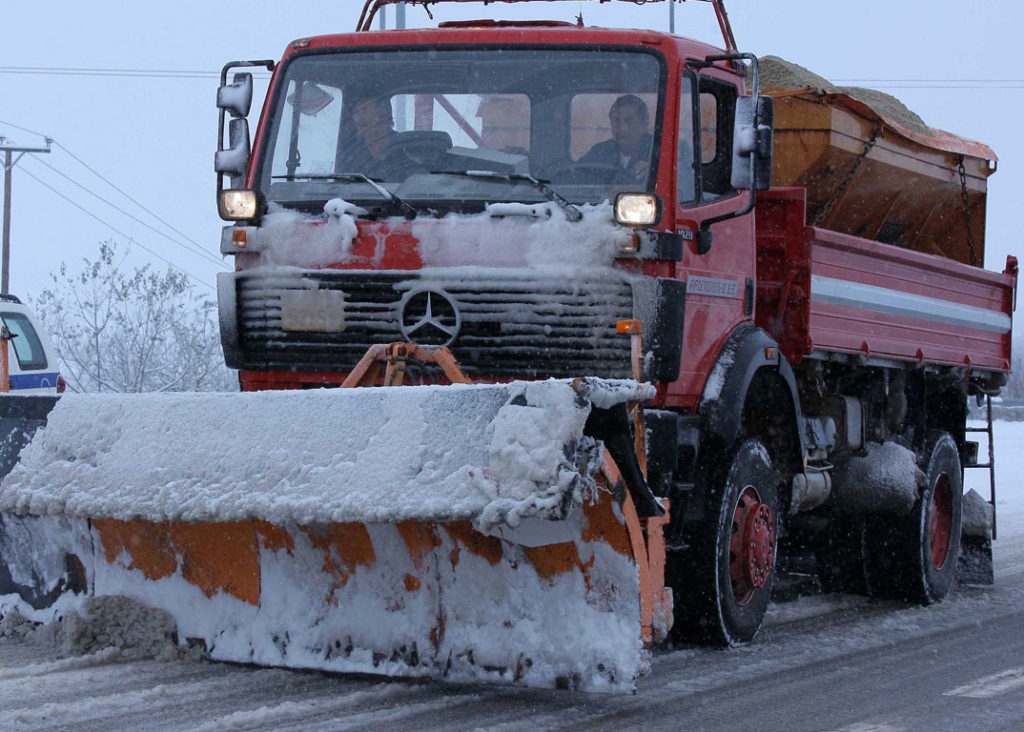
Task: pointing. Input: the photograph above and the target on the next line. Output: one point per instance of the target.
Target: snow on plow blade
(466, 531)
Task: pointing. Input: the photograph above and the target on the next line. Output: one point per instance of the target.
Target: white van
(32, 361)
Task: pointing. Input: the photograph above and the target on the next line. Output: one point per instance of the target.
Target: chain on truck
(761, 307)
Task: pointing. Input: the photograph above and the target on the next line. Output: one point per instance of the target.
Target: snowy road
(822, 663)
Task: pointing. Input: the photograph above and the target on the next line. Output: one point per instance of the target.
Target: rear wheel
(914, 557)
(723, 580)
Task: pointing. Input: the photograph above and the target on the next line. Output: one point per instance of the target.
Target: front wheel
(722, 582)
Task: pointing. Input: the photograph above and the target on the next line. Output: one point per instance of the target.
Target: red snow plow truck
(634, 323)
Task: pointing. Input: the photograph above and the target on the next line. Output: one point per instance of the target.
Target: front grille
(514, 323)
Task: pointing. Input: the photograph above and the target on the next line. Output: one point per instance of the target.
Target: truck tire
(914, 557)
(723, 580)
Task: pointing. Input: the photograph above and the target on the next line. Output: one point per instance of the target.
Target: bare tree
(143, 331)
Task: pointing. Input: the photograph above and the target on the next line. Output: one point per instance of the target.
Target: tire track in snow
(73, 663)
(310, 711)
(994, 685)
(85, 710)
(316, 714)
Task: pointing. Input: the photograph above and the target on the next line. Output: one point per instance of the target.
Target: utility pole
(9, 162)
(399, 17)
(672, 16)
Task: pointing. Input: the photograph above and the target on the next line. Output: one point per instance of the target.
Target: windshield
(416, 121)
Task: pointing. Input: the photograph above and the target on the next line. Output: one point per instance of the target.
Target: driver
(375, 149)
(629, 149)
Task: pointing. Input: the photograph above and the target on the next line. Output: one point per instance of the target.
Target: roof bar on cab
(372, 6)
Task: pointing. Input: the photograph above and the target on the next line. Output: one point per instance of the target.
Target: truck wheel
(914, 557)
(724, 579)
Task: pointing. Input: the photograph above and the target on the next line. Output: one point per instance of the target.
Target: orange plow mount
(470, 532)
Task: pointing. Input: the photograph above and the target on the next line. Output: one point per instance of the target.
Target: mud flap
(975, 563)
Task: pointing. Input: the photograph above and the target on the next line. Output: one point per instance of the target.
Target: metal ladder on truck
(976, 551)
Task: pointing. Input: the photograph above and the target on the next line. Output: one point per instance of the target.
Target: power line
(131, 240)
(192, 245)
(214, 74)
(948, 88)
(193, 249)
(123, 193)
(912, 84)
(929, 81)
(23, 129)
(111, 73)
(880, 84)
(82, 71)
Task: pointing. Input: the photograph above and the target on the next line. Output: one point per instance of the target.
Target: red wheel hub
(752, 546)
(940, 521)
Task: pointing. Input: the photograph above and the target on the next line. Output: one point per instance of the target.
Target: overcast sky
(128, 89)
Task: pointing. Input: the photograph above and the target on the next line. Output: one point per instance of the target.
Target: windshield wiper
(571, 212)
(396, 202)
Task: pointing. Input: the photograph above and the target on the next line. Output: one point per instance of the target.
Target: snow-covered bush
(132, 332)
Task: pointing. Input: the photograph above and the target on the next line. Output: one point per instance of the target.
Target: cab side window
(27, 348)
(717, 109)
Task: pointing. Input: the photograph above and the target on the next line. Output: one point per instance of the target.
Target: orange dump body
(869, 176)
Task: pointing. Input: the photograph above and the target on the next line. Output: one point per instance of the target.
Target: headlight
(637, 209)
(237, 205)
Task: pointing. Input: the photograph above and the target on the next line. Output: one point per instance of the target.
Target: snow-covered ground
(809, 638)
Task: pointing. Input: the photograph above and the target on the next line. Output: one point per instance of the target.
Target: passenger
(630, 147)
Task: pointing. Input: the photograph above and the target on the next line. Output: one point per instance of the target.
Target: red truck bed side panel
(843, 294)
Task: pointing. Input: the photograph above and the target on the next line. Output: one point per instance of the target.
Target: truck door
(719, 284)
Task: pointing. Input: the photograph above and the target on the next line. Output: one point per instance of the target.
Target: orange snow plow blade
(488, 563)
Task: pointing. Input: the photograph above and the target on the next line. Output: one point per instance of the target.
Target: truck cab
(529, 150)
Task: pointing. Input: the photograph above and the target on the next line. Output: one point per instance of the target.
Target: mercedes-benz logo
(429, 317)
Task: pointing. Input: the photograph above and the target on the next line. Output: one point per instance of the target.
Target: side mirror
(235, 159)
(752, 143)
(236, 98)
